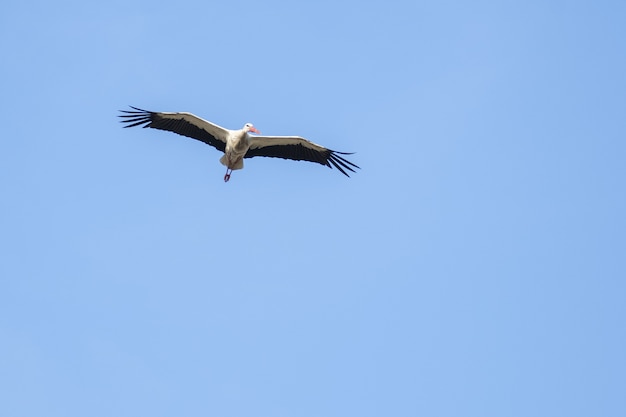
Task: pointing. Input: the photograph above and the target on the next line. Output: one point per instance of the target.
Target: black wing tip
(335, 154)
(136, 117)
(340, 163)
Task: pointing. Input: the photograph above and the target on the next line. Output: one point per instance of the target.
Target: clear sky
(475, 266)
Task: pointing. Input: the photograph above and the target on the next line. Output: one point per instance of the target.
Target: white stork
(238, 144)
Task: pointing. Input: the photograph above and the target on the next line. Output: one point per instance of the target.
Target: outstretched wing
(185, 124)
(298, 149)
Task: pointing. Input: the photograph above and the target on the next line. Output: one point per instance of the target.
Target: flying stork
(238, 144)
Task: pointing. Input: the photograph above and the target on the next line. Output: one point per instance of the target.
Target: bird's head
(249, 127)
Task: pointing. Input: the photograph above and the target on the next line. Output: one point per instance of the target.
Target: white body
(237, 144)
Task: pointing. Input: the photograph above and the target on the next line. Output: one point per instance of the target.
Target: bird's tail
(235, 166)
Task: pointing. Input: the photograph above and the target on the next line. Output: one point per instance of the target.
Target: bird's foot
(227, 176)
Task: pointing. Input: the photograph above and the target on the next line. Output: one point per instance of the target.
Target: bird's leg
(227, 176)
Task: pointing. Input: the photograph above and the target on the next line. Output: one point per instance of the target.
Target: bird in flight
(238, 144)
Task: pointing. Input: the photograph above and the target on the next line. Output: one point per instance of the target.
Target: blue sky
(474, 266)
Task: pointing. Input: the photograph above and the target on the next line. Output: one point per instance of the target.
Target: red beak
(254, 129)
